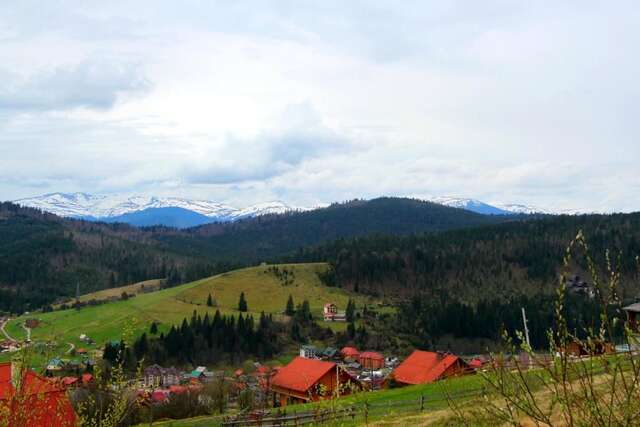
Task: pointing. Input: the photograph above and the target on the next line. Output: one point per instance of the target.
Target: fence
(345, 414)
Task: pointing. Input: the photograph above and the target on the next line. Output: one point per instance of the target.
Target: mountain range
(183, 213)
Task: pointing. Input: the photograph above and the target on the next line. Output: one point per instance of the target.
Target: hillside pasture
(264, 291)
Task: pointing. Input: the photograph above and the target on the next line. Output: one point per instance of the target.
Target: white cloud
(316, 102)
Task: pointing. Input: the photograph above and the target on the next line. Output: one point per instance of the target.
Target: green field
(114, 320)
(134, 289)
(390, 404)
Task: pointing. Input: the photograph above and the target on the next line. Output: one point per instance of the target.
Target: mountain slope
(484, 263)
(170, 217)
(263, 290)
(265, 237)
(43, 257)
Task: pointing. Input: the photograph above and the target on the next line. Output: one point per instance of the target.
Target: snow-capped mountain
(472, 205)
(478, 206)
(181, 212)
(82, 205)
(515, 208)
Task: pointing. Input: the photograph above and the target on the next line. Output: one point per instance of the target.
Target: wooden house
(423, 367)
(371, 360)
(305, 380)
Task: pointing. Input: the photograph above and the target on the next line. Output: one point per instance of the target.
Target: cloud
(312, 102)
(299, 137)
(93, 84)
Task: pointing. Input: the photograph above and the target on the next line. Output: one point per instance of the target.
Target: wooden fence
(352, 413)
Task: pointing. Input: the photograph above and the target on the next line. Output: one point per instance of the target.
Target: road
(3, 322)
(24, 326)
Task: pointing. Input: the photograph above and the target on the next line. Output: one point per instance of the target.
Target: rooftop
(301, 374)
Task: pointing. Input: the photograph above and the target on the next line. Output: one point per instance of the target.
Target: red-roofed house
(423, 367)
(305, 380)
(475, 363)
(38, 402)
(371, 360)
(351, 353)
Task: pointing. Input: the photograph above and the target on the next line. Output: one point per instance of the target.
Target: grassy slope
(435, 395)
(133, 289)
(109, 321)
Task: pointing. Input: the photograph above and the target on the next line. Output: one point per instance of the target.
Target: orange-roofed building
(371, 360)
(305, 380)
(351, 353)
(423, 367)
(38, 402)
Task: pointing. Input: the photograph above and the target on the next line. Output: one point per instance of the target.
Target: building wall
(286, 396)
(369, 363)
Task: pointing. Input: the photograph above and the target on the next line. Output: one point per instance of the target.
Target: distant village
(315, 373)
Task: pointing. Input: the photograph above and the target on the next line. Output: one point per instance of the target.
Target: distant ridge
(182, 212)
(148, 210)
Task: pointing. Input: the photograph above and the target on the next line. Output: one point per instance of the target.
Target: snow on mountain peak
(82, 205)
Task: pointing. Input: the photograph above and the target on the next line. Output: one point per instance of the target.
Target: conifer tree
(209, 301)
(350, 312)
(290, 309)
(242, 303)
(154, 328)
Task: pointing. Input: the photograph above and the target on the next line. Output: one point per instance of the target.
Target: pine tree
(242, 303)
(154, 328)
(290, 309)
(351, 330)
(209, 301)
(350, 312)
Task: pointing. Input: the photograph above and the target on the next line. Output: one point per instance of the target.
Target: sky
(314, 102)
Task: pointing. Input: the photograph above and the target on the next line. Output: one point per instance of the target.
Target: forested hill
(43, 257)
(266, 237)
(485, 263)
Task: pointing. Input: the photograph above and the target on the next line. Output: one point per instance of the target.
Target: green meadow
(263, 290)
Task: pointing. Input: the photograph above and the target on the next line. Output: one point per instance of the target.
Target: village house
(423, 367)
(350, 354)
(157, 376)
(39, 402)
(371, 360)
(55, 365)
(632, 314)
(305, 380)
(331, 313)
(200, 374)
(308, 351)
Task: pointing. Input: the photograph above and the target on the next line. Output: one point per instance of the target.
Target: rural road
(28, 332)
(2, 323)
(72, 347)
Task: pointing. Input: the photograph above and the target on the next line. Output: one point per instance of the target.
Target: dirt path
(28, 332)
(2, 324)
(72, 347)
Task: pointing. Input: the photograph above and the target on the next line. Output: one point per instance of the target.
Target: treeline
(219, 338)
(425, 321)
(519, 258)
(267, 237)
(43, 258)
